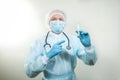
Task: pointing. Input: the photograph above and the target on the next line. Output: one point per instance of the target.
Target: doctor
(56, 53)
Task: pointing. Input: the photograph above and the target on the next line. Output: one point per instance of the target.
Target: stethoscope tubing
(46, 43)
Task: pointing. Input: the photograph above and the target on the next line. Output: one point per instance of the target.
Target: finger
(59, 43)
(83, 33)
(80, 31)
(59, 46)
(76, 31)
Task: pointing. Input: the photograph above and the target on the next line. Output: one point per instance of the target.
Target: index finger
(60, 42)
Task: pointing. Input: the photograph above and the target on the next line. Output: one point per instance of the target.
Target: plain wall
(23, 21)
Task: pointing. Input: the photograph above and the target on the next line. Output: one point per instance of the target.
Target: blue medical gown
(60, 67)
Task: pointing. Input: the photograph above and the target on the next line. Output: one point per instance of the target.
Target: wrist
(45, 59)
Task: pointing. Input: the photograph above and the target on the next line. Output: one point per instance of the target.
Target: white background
(23, 21)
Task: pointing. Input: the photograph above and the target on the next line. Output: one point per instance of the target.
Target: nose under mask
(57, 26)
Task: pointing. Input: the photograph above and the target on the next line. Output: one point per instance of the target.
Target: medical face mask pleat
(57, 26)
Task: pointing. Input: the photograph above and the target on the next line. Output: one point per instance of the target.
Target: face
(57, 23)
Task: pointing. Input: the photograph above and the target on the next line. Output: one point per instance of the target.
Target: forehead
(57, 16)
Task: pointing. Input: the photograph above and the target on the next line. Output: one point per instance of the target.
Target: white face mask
(57, 26)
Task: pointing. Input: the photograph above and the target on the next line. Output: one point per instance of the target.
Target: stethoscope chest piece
(68, 47)
(47, 44)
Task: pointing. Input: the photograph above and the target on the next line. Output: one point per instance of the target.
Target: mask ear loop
(68, 46)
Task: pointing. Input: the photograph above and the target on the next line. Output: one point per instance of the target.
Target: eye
(53, 19)
(61, 19)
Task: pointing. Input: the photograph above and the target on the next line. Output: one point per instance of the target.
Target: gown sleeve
(88, 55)
(35, 63)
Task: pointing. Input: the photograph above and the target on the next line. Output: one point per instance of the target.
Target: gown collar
(55, 35)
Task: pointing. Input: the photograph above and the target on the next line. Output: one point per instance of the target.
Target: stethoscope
(47, 44)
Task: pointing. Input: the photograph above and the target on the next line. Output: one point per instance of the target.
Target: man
(56, 53)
